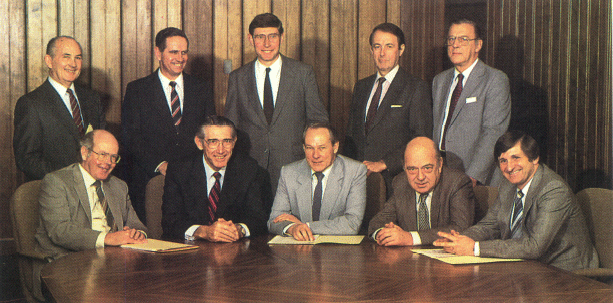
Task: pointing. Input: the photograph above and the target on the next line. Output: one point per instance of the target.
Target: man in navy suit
(161, 113)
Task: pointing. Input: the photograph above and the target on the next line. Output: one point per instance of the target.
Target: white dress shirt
(275, 78)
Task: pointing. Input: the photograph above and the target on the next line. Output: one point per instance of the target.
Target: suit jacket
(553, 227)
(65, 213)
(452, 206)
(475, 125)
(297, 103)
(342, 205)
(404, 113)
(245, 196)
(46, 137)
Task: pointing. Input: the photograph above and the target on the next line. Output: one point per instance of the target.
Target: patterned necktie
(422, 213)
(214, 196)
(76, 112)
(374, 104)
(175, 104)
(269, 107)
(105, 207)
(518, 211)
(317, 196)
(452, 104)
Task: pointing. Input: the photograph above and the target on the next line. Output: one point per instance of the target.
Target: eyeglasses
(214, 143)
(106, 156)
(413, 170)
(463, 41)
(271, 37)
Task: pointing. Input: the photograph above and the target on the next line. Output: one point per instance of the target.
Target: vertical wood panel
(316, 45)
(289, 12)
(370, 14)
(251, 9)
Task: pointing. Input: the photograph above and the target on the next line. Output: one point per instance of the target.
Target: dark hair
(510, 139)
(215, 121)
(160, 38)
(315, 125)
(388, 28)
(467, 21)
(52, 44)
(265, 20)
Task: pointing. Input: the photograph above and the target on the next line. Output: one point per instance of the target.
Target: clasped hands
(393, 235)
(455, 243)
(126, 236)
(300, 231)
(220, 231)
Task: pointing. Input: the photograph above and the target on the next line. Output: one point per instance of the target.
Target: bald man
(428, 198)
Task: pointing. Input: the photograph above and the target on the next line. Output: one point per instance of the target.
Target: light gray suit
(475, 126)
(297, 103)
(553, 227)
(343, 202)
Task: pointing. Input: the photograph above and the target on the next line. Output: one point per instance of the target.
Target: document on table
(442, 255)
(160, 246)
(318, 240)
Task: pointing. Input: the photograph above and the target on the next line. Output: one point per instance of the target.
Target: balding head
(99, 150)
(423, 164)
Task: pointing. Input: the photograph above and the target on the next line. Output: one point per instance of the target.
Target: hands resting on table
(300, 231)
(126, 236)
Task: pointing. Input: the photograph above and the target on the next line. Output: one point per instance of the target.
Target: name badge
(471, 100)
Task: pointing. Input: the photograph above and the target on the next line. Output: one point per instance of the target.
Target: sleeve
(28, 141)
(175, 219)
(231, 110)
(350, 148)
(130, 217)
(257, 203)
(281, 205)
(386, 215)
(314, 108)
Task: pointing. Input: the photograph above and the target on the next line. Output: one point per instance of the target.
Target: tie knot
(172, 84)
(97, 184)
(319, 176)
(217, 175)
(520, 194)
(460, 77)
(381, 80)
(267, 70)
(69, 91)
(423, 197)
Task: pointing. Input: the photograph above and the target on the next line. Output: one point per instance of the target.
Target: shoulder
(350, 165)
(489, 71)
(144, 81)
(84, 91)
(546, 180)
(295, 167)
(243, 163)
(62, 176)
(368, 81)
(442, 76)
(245, 69)
(37, 96)
(193, 80)
(295, 65)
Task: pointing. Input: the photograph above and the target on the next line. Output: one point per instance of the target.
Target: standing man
(272, 98)
(322, 194)
(535, 217)
(161, 113)
(429, 198)
(472, 106)
(388, 108)
(219, 196)
(50, 120)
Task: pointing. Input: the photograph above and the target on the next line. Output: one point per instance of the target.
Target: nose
(420, 174)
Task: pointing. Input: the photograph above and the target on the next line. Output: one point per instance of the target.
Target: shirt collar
(210, 171)
(274, 68)
(326, 171)
(87, 178)
(60, 88)
(467, 72)
(389, 76)
(165, 81)
(527, 187)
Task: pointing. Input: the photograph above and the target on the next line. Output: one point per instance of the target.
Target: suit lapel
(408, 201)
(80, 189)
(443, 93)
(506, 206)
(198, 184)
(286, 84)
(364, 94)
(471, 84)
(160, 103)
(304, 193)
(247, 80)
(229, 191)
(333, 188)
(532, 194)
(394, 90)
(59, 107)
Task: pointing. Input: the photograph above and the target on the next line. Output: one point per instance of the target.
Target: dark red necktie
(76, 112)
(374, 104)
(175, 104)
(214, 196)
(452, 104)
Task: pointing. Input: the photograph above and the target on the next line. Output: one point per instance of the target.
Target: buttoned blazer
(45, 137)
(404, 113)
(245, 196)
(65, 212)
(342, 205)
(297, 103)
(481, 116)
(553, 227)
(452, 206)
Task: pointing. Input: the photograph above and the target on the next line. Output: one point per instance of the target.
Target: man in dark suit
(535, 217)
(161, 113)
(388, 108)
(429, 198)
(218, 196)
(271, 99)
(50, 120)
(471, 114)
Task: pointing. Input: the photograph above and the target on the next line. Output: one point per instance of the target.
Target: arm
(257, 203)
(231, 110)
(28, 141)
(315, 110)
(175, 218)
(281, 205)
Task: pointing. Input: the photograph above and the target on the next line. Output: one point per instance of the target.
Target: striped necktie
(175, 104)
(518, 211)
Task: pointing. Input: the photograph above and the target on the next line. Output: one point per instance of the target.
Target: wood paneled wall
(566, 50)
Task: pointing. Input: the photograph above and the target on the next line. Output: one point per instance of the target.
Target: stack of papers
(318, 239)
(160, 246)
(442, 255)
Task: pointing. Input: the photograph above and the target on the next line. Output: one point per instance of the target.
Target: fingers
(223, 231)
(301, 232)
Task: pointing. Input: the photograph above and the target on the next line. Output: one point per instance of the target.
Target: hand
(393, 235)
(286, 217)
(126, 236)
(220, 231)
(456, 243)
(162, 168)
(301, 232)
(375, 167)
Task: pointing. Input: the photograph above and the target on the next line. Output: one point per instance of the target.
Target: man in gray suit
(271, 99)
(429, 198)
(535, 217)
(471, 106)
(322, 194)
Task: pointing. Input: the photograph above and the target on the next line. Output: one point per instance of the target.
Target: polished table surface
(251, 270)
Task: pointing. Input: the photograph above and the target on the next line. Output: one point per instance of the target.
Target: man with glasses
(271, 99)
(428, 198)
(472, 106)
(218, 196)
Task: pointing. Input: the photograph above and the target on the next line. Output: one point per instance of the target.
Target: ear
(401, 50)
(281, 38)
(48, 61)
(251, 40)
(478, 45)
(535, 161)
(84, 153)
(199, 143)
(158, 54)
(335, 147)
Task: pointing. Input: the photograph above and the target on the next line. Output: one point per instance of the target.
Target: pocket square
(396, 105)
(471, 99)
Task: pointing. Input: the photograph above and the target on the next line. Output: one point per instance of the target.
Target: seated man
(322, 194)
(219, 196)
(535, 217)
(429, 198)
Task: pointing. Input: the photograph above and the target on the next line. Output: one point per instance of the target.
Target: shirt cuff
(100, 240)
(416, 238)
(374, 234)
(286, 228)
(246, 229)
(477, 251)
(189, 233)
(157, 170)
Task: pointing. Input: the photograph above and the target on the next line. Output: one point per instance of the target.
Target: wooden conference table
(251, 270)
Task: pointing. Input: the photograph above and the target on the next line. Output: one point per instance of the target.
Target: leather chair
(375, 199)
(25, 218)
(597, 206)
(153, 206)
(484, 196)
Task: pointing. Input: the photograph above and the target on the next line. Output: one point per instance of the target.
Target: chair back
(375, 199)
(153, 206)
(25, 218)
(597, 206)
(485, 196)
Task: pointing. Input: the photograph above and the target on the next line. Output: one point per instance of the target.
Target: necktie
(452, 104)
(317, 196)
(105, 207)
(175, 104)
(214, 196)
(422, 213)
(518, 210)
(374, 104)
(76, 111)
(268, 105)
